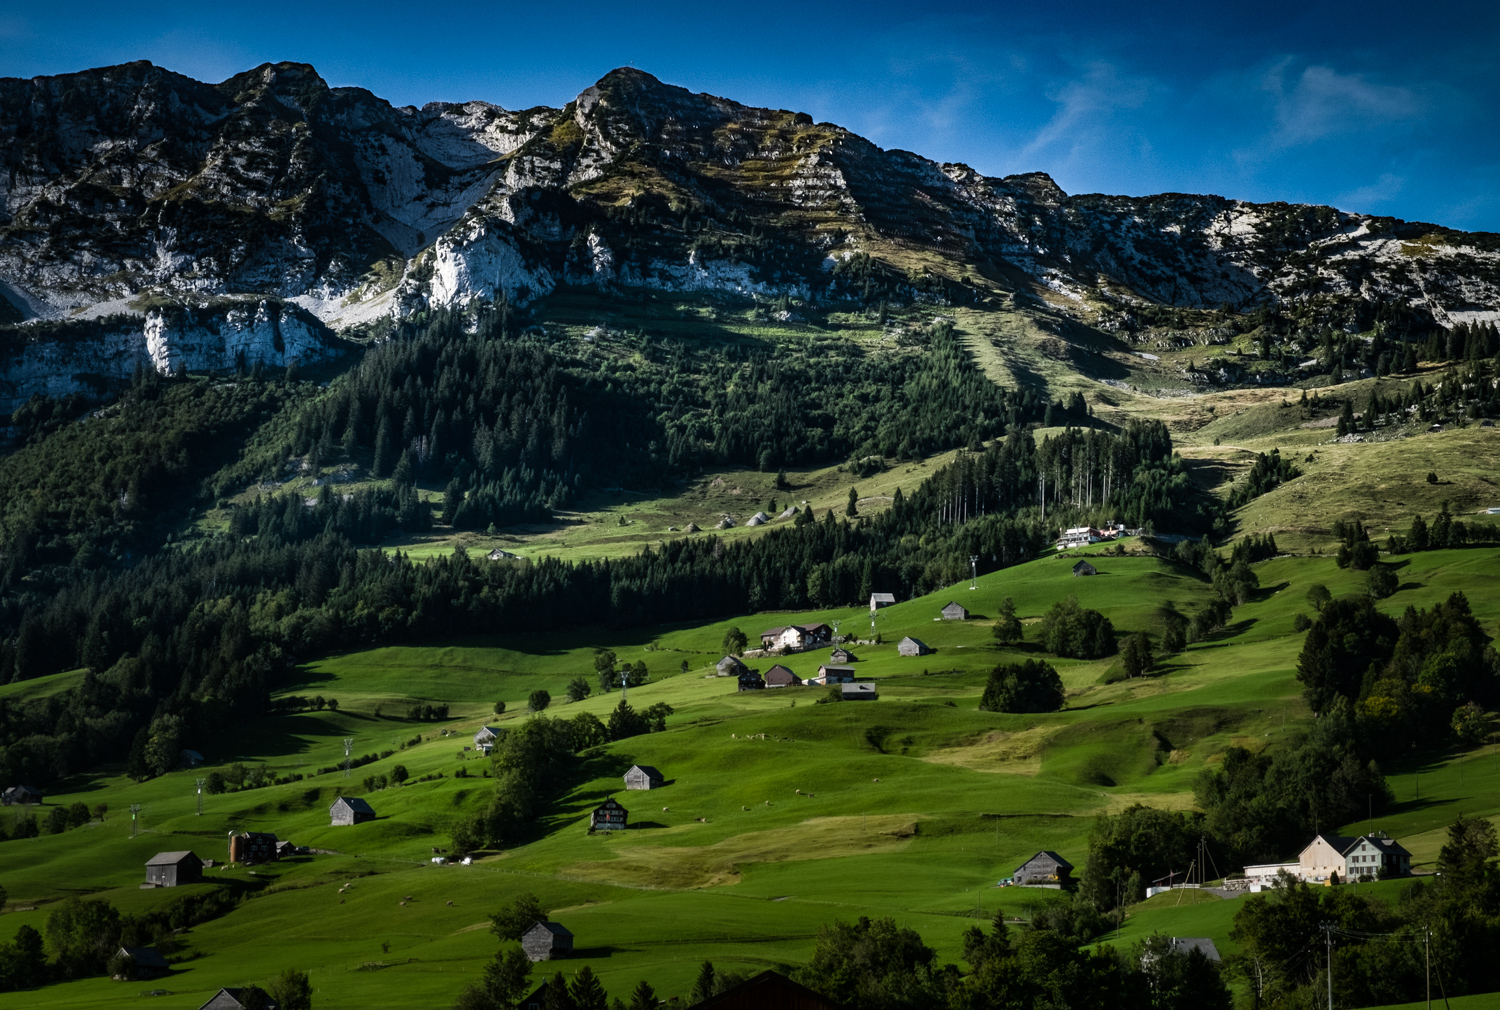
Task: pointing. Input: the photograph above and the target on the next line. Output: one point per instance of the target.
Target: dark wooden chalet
(608, 816)
(780, 676)
(1084, 568)
(145, 962)
(546, 941)
(17, 796)
(644, 777)
(842, 655)
(752, 681)
(769, 990)
(235, 999)
(828, 673)
(1046, 867)
(955, 612)
(173, 869)
(253, 847)
(350, 810)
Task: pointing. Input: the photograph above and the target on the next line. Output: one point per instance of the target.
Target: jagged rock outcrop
(132, 180)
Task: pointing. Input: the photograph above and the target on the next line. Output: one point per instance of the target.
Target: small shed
(498, 555)
(878, 600)
(842, 655)
(486, 737)
(145, 962)
(285, 849)
(253, 847)
(546, 941)
(234, 999)
(955, 612)
(1046, 867)
(190, 759)
(731, 666)
(20, 796)
(829, 673)
(862, 691)
(769, 991)
(644, 777)
(751, 681)
(913, 647)
(608, 816)
(348, 810)
(173, 869)
(1084, 568)
(780, 676)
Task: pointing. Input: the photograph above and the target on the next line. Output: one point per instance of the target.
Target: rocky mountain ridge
(131, 186)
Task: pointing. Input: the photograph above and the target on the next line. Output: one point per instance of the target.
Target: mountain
(132, 190)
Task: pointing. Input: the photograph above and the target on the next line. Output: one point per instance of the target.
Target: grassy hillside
(779, 814)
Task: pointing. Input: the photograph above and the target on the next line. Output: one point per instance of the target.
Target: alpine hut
(546, 941)
(142, 962)
(842, 655)
(862, 691)
(486, 737)
(1084, 568)
(731, 666)
(751, 681)
(173, 869)
(878, 600)
(913, 647)
(608, 816)
(1044, 868)
(780, 676)
(829, 673)
(644, 777)
(955, 612)
(237, 999)
(20, 796)
(350, 810)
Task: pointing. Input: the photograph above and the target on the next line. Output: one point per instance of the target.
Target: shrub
(499, 708)
(1032, 686)
(1071, 630)
(538, 701)
(1301, 622)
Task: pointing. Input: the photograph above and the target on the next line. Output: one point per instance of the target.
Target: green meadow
(779, 814)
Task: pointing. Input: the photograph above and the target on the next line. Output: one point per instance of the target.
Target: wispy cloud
(1367, 198)
(1087, 108)
(1321, 102)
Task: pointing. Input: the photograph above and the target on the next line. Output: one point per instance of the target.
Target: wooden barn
(348, 810)
(955, 612)
(17, 796)
(780, 676)
(878, 600)
(253, 847)
(644, 777)
(145, 962)
(828, 673)
(1084, 568)
(608, 816)
(173, 869)
(1045, 867)
(769, 991)
(862, 691)
(751, 681)
(731, 666)
(913, 647)
(236, 999)
(486, 737)
(546, 941)
(842, 655)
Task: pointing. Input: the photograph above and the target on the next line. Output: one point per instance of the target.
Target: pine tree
(703, 988)
(587, 991)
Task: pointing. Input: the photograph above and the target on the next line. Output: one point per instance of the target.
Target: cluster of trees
(1380, 953)
(1028, 686)
(1268, 471)
(1443, 532)
(366, 515)
(1073, 630)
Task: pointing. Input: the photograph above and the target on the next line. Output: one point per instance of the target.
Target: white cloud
(1321, 102)
(1088, 105)
(1366, 198)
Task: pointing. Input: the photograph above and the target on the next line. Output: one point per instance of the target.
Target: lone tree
(853, 509)
(539, 700)
(291, 990)
(1032, 686)
(578, 689)
(516, 917)
(1135, 655)
(1008, 629)
(1383, 581)
(735, 641)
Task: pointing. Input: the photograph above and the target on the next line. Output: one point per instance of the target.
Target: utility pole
(135, 809)
(348, 750)
(1328, 940)
(624, 685)
(1427, 945)
(973, 571)
(200, 796)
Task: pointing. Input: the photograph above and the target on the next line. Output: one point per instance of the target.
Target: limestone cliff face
(273, 187)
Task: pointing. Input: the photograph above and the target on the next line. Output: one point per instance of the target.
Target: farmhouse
(1376, 855)
(1043, 869)
(731, 666)
(546, 941)
(253, 847)
(145, 962)
(780, 676)
(1084, 568)
(20, 796)
(863, 691)
(796, 637)
(913, 647)
(830, 674)
(1322, 856)
(768, 991)
(350, 810)
(173, 869)
(486, 737)
(955, 612)
(842, 655)
(608, 816)
(751, 681)
(644, 777)
(233, 999)
(878, 600)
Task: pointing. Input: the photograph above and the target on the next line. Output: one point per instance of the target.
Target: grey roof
(355, 804)
(555, 928)
(171, 858)
(1340, 843)
(1203, 944)
(837, 668)
(913, 641)
(229, 999)
(145, 957)
(1387, 845)
(882, 597)
(862, 687)
(648, 769)
(1059, 860)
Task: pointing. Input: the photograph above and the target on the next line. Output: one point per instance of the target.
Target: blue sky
(1377, 107)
